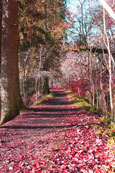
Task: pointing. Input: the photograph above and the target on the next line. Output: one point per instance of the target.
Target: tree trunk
(103, 100)
(108, 9)
(0, 49)
(114, 108)
(97, 99)
(0, 29)
(110, 66)
(46, 86)
(10, 90)
(46, 78)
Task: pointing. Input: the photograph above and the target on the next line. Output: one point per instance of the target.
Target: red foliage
(69, 15)
(80, 87)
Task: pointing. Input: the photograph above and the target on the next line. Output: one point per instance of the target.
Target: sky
(72, 6)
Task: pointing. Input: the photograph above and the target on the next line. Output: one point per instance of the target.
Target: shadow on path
(57, 112)
(37, 132)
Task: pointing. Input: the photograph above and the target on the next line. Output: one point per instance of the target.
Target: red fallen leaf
(85, 142)
(3, 168)
(36, 169)
(64, 171)
(98, 150)
(73, 153)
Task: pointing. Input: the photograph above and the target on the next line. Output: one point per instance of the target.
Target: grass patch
(108, 131)
(43, 99)
(68, 92)
(81, 103)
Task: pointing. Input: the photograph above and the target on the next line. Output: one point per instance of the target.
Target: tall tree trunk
(90, 71)
(0, 48)
(10, 90)
(0, 29)
(110, 66)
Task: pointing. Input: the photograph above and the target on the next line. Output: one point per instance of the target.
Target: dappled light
(53, 137)
(57, 86)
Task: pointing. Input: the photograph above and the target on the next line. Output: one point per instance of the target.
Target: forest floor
(55, 137)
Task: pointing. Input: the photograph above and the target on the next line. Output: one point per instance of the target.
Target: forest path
(53, 137)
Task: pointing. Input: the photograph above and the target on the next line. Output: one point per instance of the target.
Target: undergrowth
(105, 127)
(82, 103)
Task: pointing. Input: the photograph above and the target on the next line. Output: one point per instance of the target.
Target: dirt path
(54, 137)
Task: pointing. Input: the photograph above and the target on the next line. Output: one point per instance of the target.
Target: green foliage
(105, 120)
(84, 104)
(37, 22)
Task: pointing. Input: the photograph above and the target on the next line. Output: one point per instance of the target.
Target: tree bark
(110, 65)
(46, 86)
(46, 78)
(10, 90)
(0, 29)
(103, 100)
(0, 48)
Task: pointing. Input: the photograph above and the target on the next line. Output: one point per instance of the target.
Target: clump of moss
(79, 102)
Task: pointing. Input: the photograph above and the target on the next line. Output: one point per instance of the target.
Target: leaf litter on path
(54, 137)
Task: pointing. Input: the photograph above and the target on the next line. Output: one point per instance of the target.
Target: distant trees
(99, 70)
(74, 72)
(81, 22)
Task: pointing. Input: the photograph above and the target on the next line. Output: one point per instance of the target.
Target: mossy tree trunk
(10, 90)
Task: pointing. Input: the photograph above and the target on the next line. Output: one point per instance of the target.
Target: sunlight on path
(53, 137)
